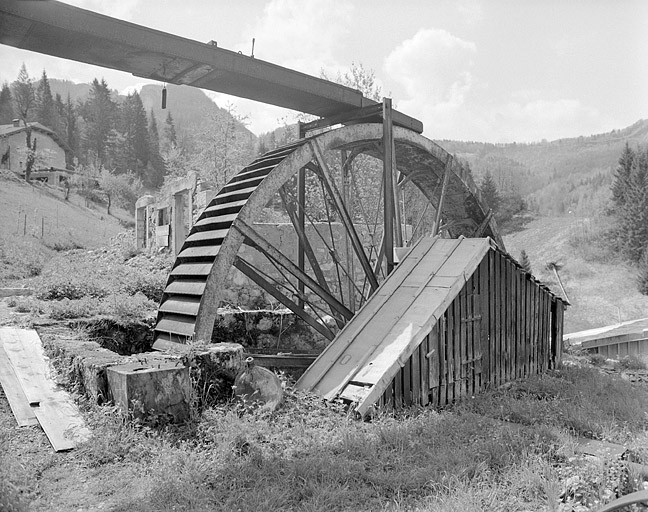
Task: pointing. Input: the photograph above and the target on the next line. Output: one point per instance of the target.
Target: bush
(631, 362)
(149, 284)
(66, 308)
(62, 246)
(70, 288)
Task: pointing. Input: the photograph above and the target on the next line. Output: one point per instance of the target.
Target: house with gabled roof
(50, 148)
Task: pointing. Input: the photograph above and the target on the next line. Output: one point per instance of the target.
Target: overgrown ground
(601, 287)
(511, 449)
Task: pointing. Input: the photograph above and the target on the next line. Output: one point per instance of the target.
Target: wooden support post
(301, 219)
(348, 201)
(388, 171)
(444, 189)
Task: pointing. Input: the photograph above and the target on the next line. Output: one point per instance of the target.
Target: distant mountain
(190, 107)
(77, 92)
(557, 176)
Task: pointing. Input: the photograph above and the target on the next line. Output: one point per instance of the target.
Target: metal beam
(61, 30)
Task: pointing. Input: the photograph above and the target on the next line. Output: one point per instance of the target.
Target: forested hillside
(558, 176)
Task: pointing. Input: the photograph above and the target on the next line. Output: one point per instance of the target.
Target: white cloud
(433, 66)
(436, 71)
(301, 35)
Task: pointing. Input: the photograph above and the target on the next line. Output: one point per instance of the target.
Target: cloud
(302, 35)
(433, 66)
(436, 72)
(299, 35)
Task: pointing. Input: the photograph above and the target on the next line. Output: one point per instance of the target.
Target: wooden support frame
(333, 191)
(388, 177)
(251, 273)
(444, 189)
(304, 249)
(337, 308)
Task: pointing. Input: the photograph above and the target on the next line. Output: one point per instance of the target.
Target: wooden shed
(455, 317)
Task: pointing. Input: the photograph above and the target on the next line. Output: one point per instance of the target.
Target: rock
(259, 385)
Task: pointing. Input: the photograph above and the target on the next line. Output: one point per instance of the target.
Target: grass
(580, 400)
(601, 288)
(508, 449)
(314, 456)
(35, 223)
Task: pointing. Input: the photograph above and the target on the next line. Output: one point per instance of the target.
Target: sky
(481, 70)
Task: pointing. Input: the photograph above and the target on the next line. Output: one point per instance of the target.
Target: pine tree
(45, 111)
(99, 113)
(525, 262)
(134, 129)
(6, 105)
(71, 129)
(59, 108)
(633, 212)
(622, 176)
(157, 169)
(170, 137)
(24, 99)
(489, 192)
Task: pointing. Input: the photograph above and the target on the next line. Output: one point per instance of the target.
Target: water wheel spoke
(305, 245)
(334, 193)
(274, 254)
(251, 273)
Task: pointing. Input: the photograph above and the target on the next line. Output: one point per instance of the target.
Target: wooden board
(57, 414)
(26, 356)
(23, 413)
(60, 419)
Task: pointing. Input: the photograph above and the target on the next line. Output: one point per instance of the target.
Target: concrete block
(156, 387)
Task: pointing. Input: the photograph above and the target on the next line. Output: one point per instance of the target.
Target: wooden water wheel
(329, 191)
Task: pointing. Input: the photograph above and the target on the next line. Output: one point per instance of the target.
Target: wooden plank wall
(502, 326)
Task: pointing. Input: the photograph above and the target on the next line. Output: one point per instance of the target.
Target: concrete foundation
(145, 388)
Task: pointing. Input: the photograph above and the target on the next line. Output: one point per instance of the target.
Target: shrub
(64, 245)
(150, 284)
(631, 362)
(70, 288)
(81, 308)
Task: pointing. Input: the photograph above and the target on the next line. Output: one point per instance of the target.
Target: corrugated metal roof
(380, 338)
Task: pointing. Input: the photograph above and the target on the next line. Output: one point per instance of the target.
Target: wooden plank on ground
(20, 407)
(60, 419)
(28, 361)
(56, 412)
